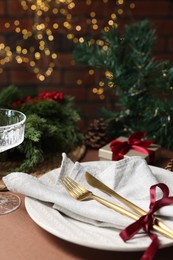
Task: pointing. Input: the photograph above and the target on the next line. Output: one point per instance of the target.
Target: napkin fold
(130, 177)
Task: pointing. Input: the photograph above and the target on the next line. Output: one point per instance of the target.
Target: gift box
(132, 146)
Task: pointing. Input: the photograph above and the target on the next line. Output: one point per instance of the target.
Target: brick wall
(66, 73)
(160, 14)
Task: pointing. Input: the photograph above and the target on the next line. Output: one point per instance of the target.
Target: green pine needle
(50, 128)
(141, 86)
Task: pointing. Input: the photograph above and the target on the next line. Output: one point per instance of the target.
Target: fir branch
(140, 84)
(50, 126)
(8, 96)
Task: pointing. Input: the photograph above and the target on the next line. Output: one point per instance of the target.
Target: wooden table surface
(23, 239)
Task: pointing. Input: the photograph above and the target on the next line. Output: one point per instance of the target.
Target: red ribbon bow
(135, 141)
(146, 222)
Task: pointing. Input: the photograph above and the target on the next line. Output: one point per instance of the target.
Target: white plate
(85, 234)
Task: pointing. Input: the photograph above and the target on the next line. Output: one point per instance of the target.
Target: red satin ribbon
(135, 141)
(146, 222)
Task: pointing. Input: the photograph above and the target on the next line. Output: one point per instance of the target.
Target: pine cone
(169, 166)
(97, 134)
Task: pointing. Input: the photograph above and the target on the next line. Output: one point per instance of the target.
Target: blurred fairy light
(111, 22)
(36, 46)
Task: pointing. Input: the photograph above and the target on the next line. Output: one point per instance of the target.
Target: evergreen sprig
(50, 125)
(143, 85)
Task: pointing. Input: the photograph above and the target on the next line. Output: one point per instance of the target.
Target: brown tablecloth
(22, 239)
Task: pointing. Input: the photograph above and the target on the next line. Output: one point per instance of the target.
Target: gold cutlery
(94, 182)
(82, 194)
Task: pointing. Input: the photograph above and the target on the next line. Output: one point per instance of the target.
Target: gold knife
(94, 182)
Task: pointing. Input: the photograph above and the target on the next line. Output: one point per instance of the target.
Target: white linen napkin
(130, 177)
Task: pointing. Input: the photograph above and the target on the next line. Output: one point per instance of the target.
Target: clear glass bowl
(12, 128)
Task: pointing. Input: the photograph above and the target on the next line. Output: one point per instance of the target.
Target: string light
(36, 44)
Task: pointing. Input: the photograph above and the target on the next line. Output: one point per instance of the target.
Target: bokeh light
(37, 41)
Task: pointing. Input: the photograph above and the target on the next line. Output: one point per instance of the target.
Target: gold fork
(82, 194)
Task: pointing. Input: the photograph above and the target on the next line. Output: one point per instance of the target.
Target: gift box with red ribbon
(134, 145)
